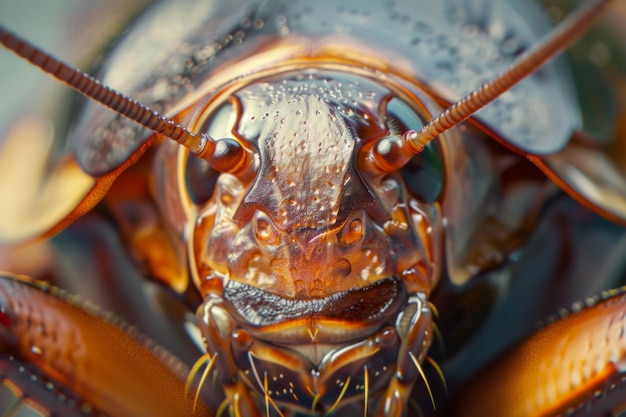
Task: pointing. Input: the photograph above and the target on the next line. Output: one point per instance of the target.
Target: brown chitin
(226, 154)
(575, 365)
(397, 151)
(82, 351)
(278, 298)
(310, 265)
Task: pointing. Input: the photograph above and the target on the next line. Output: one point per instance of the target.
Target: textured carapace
(315, 263)
(310, 259)
(309, 225)
(226, 40)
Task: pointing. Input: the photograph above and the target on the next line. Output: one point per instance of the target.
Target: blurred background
(73, 30)
(77, 30)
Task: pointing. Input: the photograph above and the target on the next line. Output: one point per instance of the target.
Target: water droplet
(266, 232)
(342, 268)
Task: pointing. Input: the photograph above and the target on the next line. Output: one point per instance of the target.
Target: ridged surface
(104, 364)
(561, 368)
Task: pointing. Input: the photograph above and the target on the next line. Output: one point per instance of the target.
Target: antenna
(225, 155)
(392, 153)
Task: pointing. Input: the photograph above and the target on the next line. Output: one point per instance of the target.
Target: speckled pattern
(304, 128)
(449, 46)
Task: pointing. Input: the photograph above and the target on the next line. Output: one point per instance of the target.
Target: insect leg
(107, 365)
(575, 365)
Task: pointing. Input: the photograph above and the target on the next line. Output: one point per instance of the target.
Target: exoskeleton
(307, 251)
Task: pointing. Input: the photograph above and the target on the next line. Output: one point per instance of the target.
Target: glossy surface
(314, 268)
(563, 368)
(447, 46)
(277, 258)
(61, 339)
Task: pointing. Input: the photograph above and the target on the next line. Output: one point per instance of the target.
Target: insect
(318, 259)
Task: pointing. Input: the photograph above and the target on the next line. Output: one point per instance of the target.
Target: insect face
(308, 237)
(311, 260)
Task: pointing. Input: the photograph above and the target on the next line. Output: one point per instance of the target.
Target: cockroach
(330, 208)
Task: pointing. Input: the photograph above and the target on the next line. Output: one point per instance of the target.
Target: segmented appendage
(225, 155)
(315, 281)
(388, 158)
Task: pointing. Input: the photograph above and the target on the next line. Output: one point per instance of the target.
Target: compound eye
(423, 174)
(200, 176)
(400, 118)
(200, 180)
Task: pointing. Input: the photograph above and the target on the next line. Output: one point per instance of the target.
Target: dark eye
(200, 177)
(200, 180)
(423, 174)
